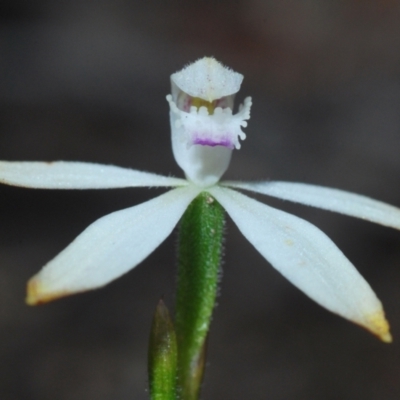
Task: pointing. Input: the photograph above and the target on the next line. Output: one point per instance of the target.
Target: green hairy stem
(199, 260)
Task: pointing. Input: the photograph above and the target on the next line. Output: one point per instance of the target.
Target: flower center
(208, 125)
(204, 131)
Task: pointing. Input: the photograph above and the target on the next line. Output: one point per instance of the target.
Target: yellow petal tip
(36, 293)
(386, 337)
(379, 326)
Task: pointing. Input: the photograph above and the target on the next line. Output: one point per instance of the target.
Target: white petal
(110, 247)
(78, 175)
(307, 258)
(337, 200)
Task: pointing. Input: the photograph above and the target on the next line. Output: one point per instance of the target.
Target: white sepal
(110, 247)
(78, 175)
(340, 201)
(307, 258)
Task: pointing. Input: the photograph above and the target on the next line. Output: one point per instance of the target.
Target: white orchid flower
(204, 134)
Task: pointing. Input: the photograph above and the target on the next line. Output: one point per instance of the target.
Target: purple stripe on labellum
(204, 141)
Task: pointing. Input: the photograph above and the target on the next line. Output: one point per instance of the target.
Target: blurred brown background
(83, 80)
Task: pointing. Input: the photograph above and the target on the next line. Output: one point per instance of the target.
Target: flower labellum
(204, 131)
